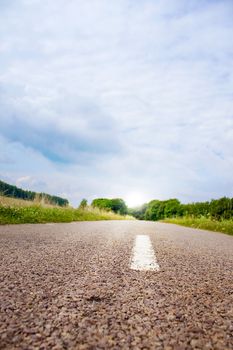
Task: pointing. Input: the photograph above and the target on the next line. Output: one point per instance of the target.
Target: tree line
(216, 209)
(15, 192)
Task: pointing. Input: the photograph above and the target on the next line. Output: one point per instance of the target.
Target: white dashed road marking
(143, 257)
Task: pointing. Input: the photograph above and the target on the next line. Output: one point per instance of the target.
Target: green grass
(21, 212)
(225, 226)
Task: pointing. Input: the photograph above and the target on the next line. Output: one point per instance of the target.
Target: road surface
(77, 286)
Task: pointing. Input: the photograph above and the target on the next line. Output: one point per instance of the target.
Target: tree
(102, 203)
(117, 205)
(15, 192)
(138, 212)
(172, 208)
(153, 211)
(83, 204)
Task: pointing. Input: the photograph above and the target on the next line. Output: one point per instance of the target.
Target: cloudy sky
(117, 98)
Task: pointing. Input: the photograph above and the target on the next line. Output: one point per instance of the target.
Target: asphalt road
(71, 286)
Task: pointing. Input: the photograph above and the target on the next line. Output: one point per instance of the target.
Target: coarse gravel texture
(70, 286)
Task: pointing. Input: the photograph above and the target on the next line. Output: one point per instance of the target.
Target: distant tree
(138, 212)
(221, 208)
(102, 203)
(172, 208)
(83, 204)
(153, 211)
(158, 210)
(217, 209)
(117, 205)
(15, 192)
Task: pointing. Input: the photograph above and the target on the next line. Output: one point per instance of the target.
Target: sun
(134, 199)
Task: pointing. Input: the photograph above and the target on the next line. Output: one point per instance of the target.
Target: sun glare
(134, 200)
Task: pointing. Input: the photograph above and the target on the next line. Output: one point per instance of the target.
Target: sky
(117, 98)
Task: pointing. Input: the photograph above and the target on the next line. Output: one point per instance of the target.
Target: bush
(117, 205)
(83, 204)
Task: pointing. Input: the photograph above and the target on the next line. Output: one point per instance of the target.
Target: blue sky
(123, 98)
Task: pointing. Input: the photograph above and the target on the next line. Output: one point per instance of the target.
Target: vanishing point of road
(115, 285)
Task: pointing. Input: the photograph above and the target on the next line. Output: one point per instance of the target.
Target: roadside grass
(15, 202)
(14, 211)
(225, 226)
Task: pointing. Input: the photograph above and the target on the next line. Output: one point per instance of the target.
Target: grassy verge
(225, 226)
(21, 212)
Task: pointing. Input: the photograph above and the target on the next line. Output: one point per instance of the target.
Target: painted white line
(143, 258)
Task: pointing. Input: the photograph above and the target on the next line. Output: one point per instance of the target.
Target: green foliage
(117, 205)
(15, 192)
(153, 210)
(158, 210)
(216, 215)
(218, 209)
(101, 203)
(39, 214)
(83, 204)
(172, 208)
(138, 212)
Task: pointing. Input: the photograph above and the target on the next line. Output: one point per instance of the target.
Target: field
(16, 211)
(225, 226)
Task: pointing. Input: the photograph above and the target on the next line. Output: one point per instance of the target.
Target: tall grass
(225, 226)
(15, 211)
(15, 202)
